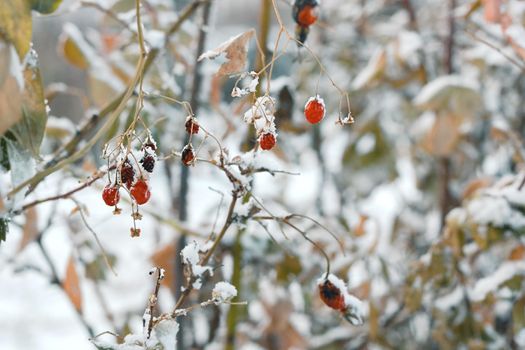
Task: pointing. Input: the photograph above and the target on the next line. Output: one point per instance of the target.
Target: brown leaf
(30, 229)
(165, 258)
(236, 53)
(442, 139)
(360, 228)
(10, 88)
(71, 285)
(517, 253)
(492, 10)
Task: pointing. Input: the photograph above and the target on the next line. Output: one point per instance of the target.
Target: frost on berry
(314, 109)
(111, 195)
(267, 141)
(191, 125)
(140, 191)
(334, 293)
(261, 115)
(187, 155)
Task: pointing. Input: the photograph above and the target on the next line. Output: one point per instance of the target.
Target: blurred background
(423, 192)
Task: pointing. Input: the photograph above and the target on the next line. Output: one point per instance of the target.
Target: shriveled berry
(187, 155)
(135, 232)
(192, 125)
(111, 195)
(140, 191)
(148, 162)
(314, 110)
(267, 141)
(151, 145)
(332, 296)
(127, 174)
(307, 15)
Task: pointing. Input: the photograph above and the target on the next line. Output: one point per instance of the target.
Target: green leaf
(29, 132)
(15, 24)
(4, 228)
(45, 6)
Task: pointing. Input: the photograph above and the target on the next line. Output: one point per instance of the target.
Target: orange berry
(140, 191)
(267, 141)
(111, 195)
(314, 110)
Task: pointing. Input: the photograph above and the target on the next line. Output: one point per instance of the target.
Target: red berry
(127, 174)
(267, 141)
(307, 16)
(111, 195)
(187, 156)
(192, 125)
(140, 191)
(314, 110)
(332, 296)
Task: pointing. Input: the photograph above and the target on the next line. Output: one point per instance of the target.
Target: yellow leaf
(10, 87)
(71, 285)
(72, 53)
(15, 24)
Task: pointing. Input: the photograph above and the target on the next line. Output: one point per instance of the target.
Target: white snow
(223, 292)
(491, 283)
(190, 256)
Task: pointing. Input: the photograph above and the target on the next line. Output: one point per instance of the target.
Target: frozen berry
(192, 125)
(127, 174)
(314, 110)
(332, 296)
(148, 162)
(307, 15)
(140, 191)
(187, 156)
(150, 144)
(111, 195)
(267, 141)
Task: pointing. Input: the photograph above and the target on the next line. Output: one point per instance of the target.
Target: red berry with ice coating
(267, 141)
(140, 191)
(314, 110)
(111, 195)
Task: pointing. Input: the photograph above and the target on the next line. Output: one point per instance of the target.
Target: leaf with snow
(236, 53)
(375, 67)
(452, 92)
(223, 292)
(190, 257)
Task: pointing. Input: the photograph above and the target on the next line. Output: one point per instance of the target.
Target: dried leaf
(72, 52)
(11, 87)
(360, 228)
(236, 53)
(30, 228)
(165, 258)
(15, 24)
(442, 139)
(474, 186)
(492, 10)
(71, 285)
(517, 253)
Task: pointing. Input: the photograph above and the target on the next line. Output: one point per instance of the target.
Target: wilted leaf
(451, 92)
(72, 52)
(71, 285)
(373, 70)
(11, 87)
(442, 139)
(29, 132)
(30, 228)
(236, 53)
(45, 6)
(15, 24)
(165, 258)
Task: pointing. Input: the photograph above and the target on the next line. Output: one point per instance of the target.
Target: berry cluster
(134, 180)
(305, 14)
